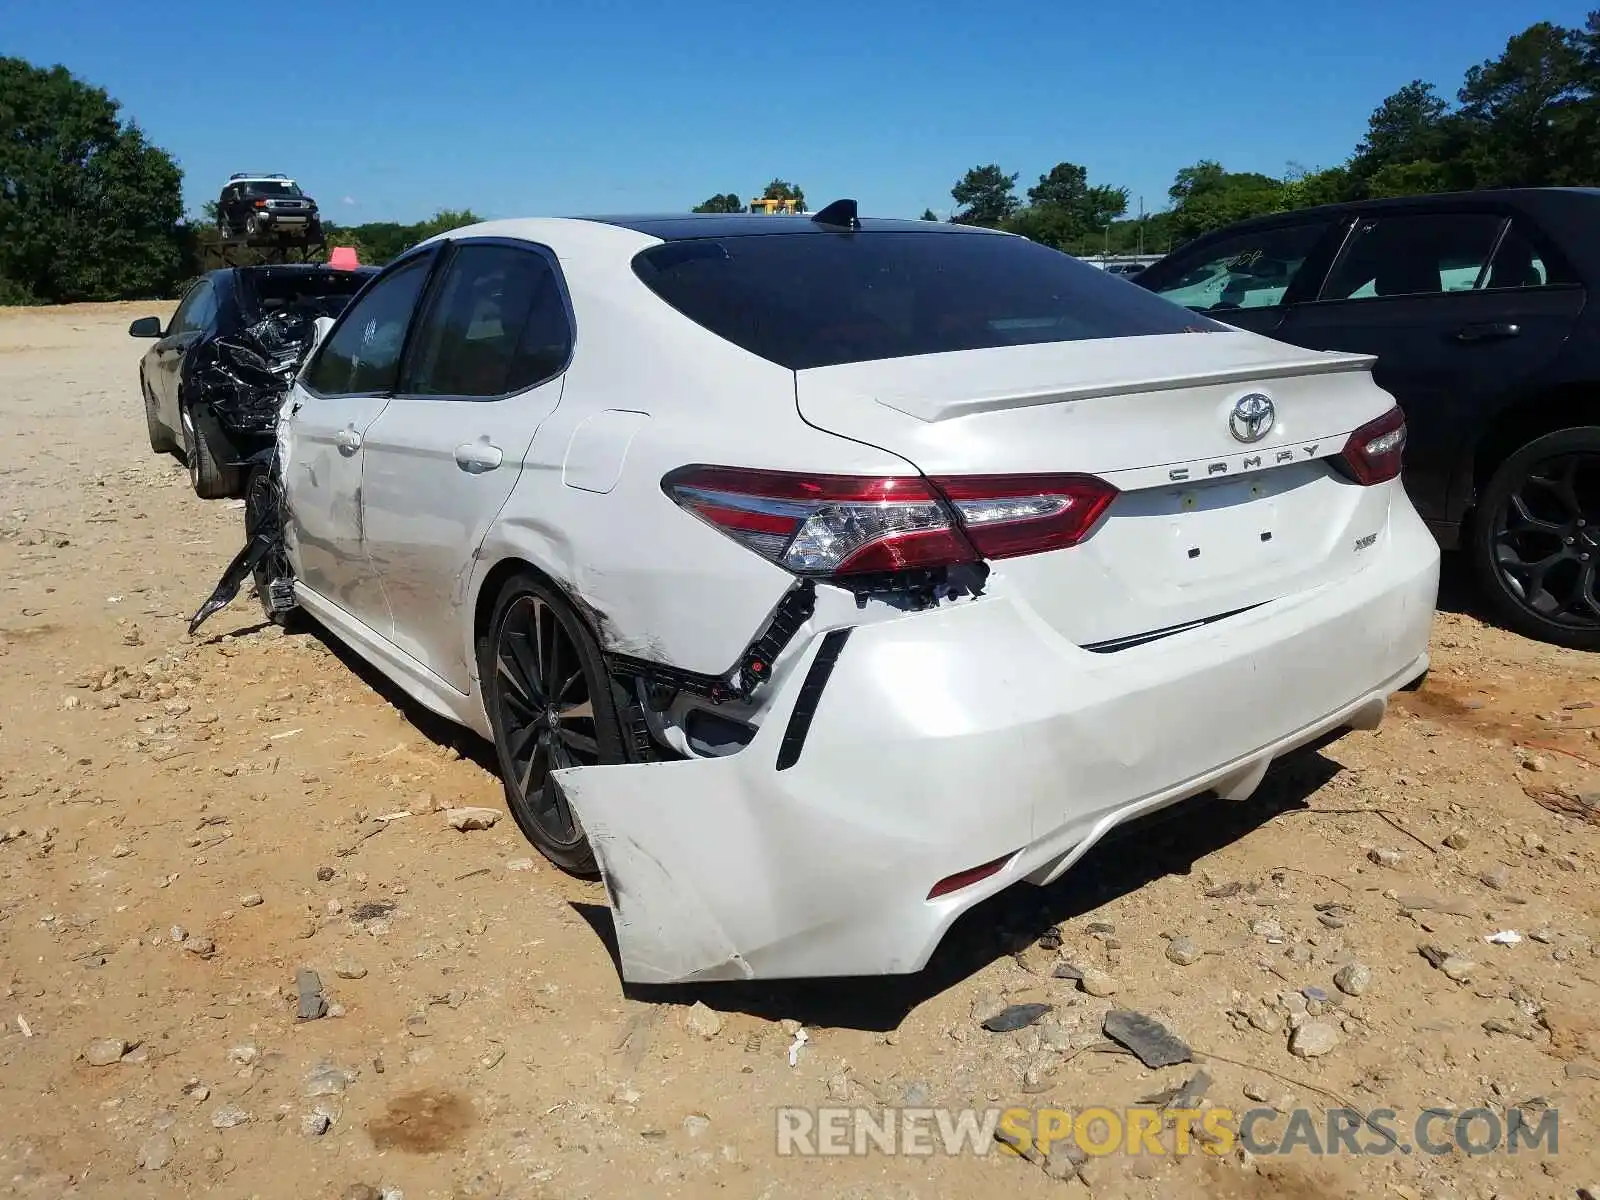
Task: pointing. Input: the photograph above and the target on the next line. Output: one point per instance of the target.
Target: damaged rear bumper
(911, 750)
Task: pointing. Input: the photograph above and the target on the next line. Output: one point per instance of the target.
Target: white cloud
(350, 200)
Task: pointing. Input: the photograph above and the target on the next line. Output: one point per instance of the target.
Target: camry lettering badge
(1252, 417)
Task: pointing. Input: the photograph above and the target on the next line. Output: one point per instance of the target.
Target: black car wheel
(160, 436)
(1536, 539)
(549, 702)
(208, 454)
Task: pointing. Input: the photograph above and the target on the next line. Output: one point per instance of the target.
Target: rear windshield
(322, 293)
(817, 300)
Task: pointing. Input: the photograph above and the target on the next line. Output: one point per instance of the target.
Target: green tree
(782, 189)
(987, 196)
(89, 209)
(443, 221)
(720, 203)
(929, 215)
(1064, 210)
(1206, 196)
(1519, 109)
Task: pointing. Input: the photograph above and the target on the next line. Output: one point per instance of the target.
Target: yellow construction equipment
(772, 204)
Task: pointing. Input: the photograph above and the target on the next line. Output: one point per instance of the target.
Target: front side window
(1414, 255)
(818, 299)
(363, 354)
(1251, 270)
(499, 326)
(197, 309)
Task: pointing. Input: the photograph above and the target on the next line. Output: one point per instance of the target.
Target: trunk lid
(1205, 524)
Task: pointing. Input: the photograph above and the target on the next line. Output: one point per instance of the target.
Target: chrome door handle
(348, 441)
(477, 457)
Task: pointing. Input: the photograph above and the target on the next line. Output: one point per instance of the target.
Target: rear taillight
(851, 525)
(1008, 515)
(1373, 452)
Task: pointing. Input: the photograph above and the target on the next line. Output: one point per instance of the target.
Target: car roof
(621, 237)
(676, 226)
(1528, 199)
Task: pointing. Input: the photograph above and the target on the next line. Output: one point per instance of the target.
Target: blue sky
(390, 111)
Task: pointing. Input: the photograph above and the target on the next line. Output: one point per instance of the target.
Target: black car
(213, 380)
(268, 208)
(1475, 305)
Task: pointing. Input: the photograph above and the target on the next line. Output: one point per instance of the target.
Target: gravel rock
(228, 1116)
(202, 947)
(324, 874)
(1386, 857)
(1458, 968)
(104, 1052)
(155, 1152)
(350, 969)
(1183, 951)
(696, 1124)
(1266, 927)
(701, 1021)
(1257, 1090)
(1457, 839)
(1495, 879)
(250, 900)
(329, 1079)
(1353, 979)
(1097, 982)
(1313, 1039)
(1016, 1016)
(312, 1003)
(315, 1124)
(467, 819)
(1152, 1042)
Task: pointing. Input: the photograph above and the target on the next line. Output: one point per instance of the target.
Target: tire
(252, 227)
(208, 455)
(1534, 540)
(590, 734)
(160, 436)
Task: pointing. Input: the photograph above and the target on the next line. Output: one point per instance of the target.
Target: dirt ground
(184, 825)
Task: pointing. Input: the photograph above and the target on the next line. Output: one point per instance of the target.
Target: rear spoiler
(933, 408)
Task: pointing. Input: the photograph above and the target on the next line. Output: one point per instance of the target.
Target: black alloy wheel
(549, 703)
(1536, 545)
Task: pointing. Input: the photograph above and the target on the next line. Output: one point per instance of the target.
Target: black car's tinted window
(273, 187)
(499, 326)
(1519, 263)
(1413, 255)
(1248, 270)
(363, 353)
(324, 292)
(816, 300)
(197, 310)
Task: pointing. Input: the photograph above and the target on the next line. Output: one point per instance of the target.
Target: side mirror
(146, 327)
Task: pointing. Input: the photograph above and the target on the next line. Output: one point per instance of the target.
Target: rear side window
(1249, 270)
(815, 300)
(363, 354)
(1414, 255)
(499, 326)
(1518, 263)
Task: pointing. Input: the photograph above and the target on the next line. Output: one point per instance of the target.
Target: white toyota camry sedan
(818, 577)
